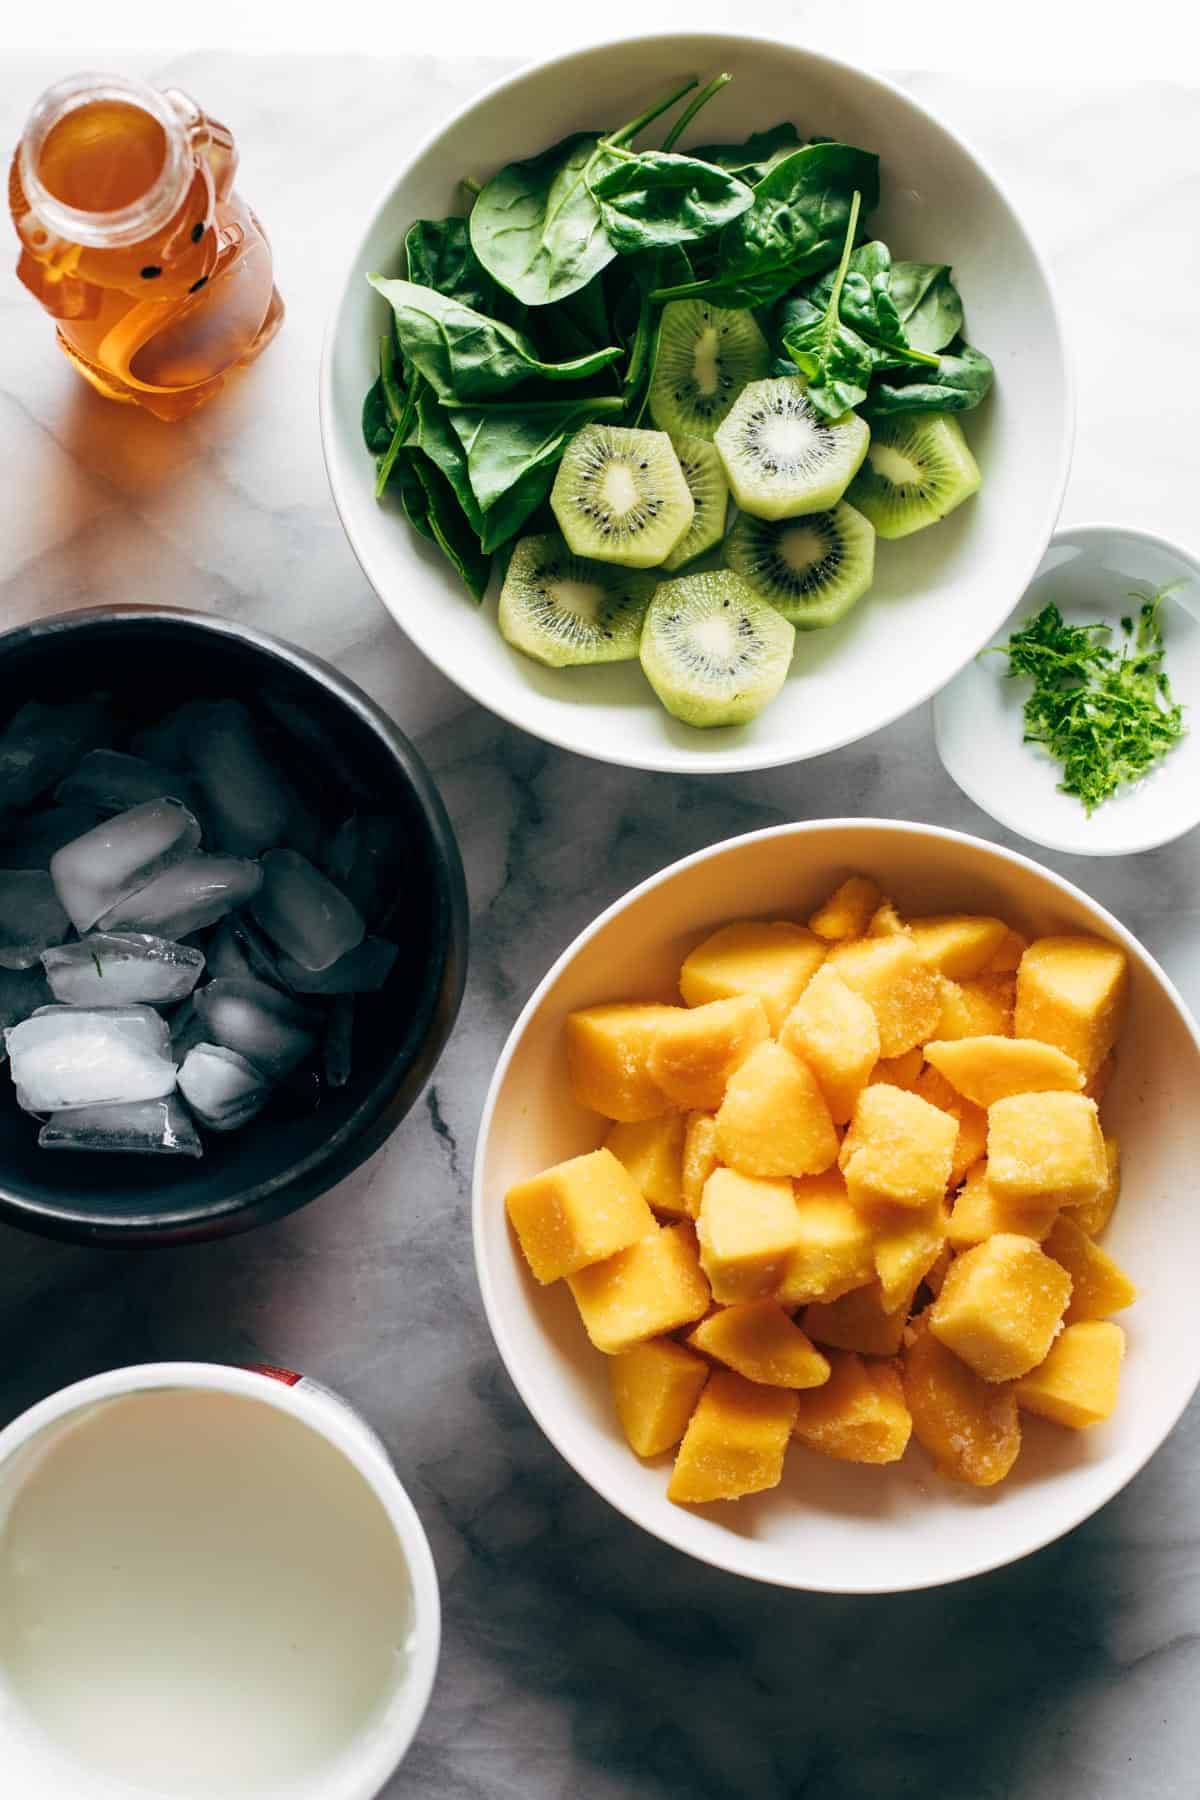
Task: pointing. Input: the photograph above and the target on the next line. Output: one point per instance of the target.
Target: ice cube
(122, 969)
(300, 910)
(221, 1087)
(248, 800)
(112, 782)
(100, 870)
(259, 1022)
(239, 948)
(189, 895)
(30, 917)
(187, 1028)
(166, 740)
(31, 840)
(339, 1041)
(364, 858)
(141, 1127)
(22, 991)
(68, 1056)
(361, 971)
(40, 743)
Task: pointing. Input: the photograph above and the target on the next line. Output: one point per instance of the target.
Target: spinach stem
(647, 118)
(839, 280)
(702, 99)
(393, 393)
(472, 186)
(401, 409)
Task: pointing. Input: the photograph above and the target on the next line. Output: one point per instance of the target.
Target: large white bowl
(832, 1526)
(938, 596)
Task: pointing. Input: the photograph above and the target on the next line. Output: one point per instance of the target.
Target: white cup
(212, 1587)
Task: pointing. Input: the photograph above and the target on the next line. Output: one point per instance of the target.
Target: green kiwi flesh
(705, 475)
(713, 650)
(620, 496)
(812, 568)
(918, 468)
(706, 355)
(782, 457)
(562, 609)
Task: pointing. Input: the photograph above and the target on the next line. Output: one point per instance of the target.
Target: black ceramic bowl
(345, 751)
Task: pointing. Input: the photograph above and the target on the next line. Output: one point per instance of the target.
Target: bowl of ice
(233, 926)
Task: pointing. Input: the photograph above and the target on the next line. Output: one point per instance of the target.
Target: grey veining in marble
(582, 1660)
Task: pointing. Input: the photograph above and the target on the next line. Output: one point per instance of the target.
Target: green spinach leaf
(751, 160)
(961, 380)
(927, 304)
(440, 256)
(651, 199)
(445, 525)
(433, 433)
(837, 362)
(503, 442)
(377, 425)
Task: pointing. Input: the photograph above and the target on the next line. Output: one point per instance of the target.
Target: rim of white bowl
(992, 804)
(735, 1562)
(687, 760)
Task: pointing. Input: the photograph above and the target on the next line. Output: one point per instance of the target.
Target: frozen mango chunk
(746, 1228)
(776, 962)
(652, 1288)
(907, 1244)
(971, 1141)
(699, 1158)
(578, 1212)
(898, 1071)
(608, 1050)
(886, 921)
(1099, 1286)
(1000, 1306)
(759, 1340)
(860, 1415)
(1006, 958)
(1047, 1147)
(834, 1249)
(987, 1069)
(696, 1051)
(655, 1387)
(735, 1441)
(898, 1150)
(652, 1152)
(833, 1030)
(959, 945)
(901, 990)
(980, 1213)
(1093, 1215)
(773, 1119)
(969, 1426)
(857, 1321)
(848, 910)
(979, 1008)
(1071, 992)
(1077, 1384)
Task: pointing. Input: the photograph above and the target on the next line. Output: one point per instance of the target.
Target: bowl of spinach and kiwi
(696, 402)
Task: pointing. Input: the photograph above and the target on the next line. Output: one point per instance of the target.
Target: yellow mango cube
(1099, 1286)
(886, 921)
(652, 1288)
(834, 1249)
(1092, 1216)
(833, 1030)
(987, 1069)
(774, 961)
(695, 1052)
(652, 1152)
(848, 910)
(969, 1426)
(746, 1228)
(1047, 1147)
(773, 1119)
(857, 1321)
(735, 1441)
(898, 1071)
(699, 1159)
(759, 1340)
(579, 1212)
(898, 1150)
(901, 990)
(655, 1387)
(1077, 1384)
(1001, 1306)
(1071, 992)
(971, 1141)
(907, 1244)
(979, 1008)
(979, 1213)
(608, 1049)
(860, 1414)
(1006, 959)
(959, 945)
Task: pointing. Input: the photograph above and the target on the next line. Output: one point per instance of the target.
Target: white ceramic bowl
(1089, 572)
(938, 595)
(833, 1526)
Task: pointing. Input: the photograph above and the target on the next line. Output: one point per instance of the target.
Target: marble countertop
(581, 1659)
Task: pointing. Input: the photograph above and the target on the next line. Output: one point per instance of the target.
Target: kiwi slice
(781, 456)
(562, 609)
(705, 475)
(812, 568)
(620, 496)
(706, 355)
(714, 652)
(919, 467)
